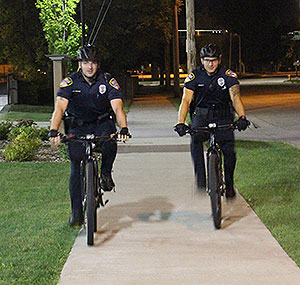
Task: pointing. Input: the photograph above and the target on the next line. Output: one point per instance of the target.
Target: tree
(61, 30)
(134, 32)
(21, 36)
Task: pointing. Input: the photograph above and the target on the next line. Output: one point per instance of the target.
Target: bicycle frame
(216, 184)
(91, 192)
(214, 148)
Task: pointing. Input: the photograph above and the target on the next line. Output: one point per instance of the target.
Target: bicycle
(216, 185)
(92, 194)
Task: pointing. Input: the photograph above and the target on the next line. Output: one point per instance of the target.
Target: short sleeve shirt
(214, 88)
(87, 102)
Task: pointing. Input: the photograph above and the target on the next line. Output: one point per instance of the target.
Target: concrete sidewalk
(157, 230)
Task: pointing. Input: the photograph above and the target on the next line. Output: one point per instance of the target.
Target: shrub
(22, 148)
(43, 133)
(25, 123)
(5, 128)
(31, 132)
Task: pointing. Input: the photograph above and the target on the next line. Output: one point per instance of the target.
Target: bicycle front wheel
(90, 205)
(214, 189)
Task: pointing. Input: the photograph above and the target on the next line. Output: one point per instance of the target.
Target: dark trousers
(77, 154)
(225, 139)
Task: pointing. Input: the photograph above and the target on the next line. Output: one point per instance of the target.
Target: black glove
(53, 134)
(125, 132)
(181, 129)
(242, 123)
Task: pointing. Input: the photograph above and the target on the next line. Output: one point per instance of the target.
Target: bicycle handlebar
(88, 138)
(211, 127)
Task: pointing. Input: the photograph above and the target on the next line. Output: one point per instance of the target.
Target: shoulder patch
(189, 78)
(66, 82)
(229, 72)
(113, 82)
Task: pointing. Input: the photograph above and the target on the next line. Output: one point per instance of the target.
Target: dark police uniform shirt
(210, 90)
(88, 102)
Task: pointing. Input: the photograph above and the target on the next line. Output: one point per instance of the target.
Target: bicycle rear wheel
(214, 189)
(90, 205)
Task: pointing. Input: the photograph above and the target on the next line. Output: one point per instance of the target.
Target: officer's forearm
(185, 104)
(239, 106)
(56, 119)
(60, 107)
(236, 100)
(183, 110)
(117, 106)
(121, 118)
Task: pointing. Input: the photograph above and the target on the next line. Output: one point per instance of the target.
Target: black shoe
(106, 183)
(76, 219)
(230, 192)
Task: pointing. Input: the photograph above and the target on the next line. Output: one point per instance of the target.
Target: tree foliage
(61, 30)
(133, 33)
(21, 36)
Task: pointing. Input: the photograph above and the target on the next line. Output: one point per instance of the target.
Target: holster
(73, 122)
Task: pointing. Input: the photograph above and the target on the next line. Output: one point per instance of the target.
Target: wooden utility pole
(190, 35)
(167, 64)
(176, 52)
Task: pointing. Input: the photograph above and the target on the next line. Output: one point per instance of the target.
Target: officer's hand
(242, 123)
(181, 129)
(124, 135)
(54, 138)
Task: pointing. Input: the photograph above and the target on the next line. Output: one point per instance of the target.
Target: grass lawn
(38, 113)
(35, 239)
(268, 176)
(35, 113)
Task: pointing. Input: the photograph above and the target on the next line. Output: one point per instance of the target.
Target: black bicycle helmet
(88, 52)
(210, 50)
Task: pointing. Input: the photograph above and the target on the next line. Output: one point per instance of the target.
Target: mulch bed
(45, 153)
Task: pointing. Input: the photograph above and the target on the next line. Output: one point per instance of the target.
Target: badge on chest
(102, 88)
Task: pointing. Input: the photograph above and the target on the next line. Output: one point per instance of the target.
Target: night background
(136, 33)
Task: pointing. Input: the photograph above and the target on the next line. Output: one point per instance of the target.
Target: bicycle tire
(96, 191)
(90, 207)
(214, 189)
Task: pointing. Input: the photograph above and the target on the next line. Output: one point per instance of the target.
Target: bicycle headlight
(212, 125)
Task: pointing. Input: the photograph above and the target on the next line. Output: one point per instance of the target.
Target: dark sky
(261, 24)
(238, 14)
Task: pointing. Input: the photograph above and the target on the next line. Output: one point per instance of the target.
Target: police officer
(212, 94)
(86, 100)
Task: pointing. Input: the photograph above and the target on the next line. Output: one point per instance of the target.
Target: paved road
(158, 230)
(274, 107)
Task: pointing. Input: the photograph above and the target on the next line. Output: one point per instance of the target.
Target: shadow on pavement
(234, 211)
(114, 218)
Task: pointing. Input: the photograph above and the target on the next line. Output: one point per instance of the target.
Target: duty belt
(213, 112)
(72, 121)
